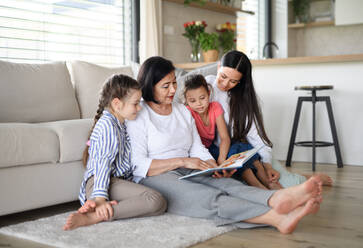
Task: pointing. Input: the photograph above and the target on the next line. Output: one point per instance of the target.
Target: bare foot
(76, 220)
(286, 200)
(327, 180)
(288, 222)
(275, 186)
(88, 206)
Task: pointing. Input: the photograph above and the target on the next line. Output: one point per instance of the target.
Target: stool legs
(294, 130)
(334, 133)
(314, 143)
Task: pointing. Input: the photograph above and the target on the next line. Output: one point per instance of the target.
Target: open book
(233, 162)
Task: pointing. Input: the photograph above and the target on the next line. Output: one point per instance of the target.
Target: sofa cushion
(24, 143)
(88, 80)
(73, 135)
(36, 93)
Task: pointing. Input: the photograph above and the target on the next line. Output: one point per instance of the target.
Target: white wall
(348, 12)
(275, 87)
(326, 40)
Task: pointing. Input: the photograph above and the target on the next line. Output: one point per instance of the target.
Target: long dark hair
(244, 106)
(117, 86)
(151, 72)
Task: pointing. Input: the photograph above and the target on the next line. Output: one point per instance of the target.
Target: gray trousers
(134, 200)
(225, 200)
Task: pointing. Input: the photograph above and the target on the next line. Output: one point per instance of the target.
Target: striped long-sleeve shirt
(109, 155)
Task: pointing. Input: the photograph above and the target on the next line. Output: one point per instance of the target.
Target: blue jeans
(237, 147)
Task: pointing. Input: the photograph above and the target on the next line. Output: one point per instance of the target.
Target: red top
(207, 133)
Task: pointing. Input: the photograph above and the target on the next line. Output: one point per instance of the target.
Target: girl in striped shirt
(107, 192)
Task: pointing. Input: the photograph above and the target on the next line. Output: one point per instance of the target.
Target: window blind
(36, 31)
(254, 28)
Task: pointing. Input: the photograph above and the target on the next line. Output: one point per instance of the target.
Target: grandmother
(166, 145)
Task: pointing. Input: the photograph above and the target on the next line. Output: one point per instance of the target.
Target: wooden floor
(339, 223)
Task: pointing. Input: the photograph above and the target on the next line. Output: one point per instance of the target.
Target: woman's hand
(104, 208)
(225, 173)
(272, 174)
(196, 164)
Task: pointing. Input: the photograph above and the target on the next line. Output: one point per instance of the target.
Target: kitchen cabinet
(348, 12)
(214, 7)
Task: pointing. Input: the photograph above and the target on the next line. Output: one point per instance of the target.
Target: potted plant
(209, 42)
(227, 39)
(301, 10)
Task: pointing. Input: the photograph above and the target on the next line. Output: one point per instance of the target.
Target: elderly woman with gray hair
(166, 145)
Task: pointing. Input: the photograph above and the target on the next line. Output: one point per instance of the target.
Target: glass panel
(97, 31)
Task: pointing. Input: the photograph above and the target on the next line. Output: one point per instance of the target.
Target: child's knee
(155, 202)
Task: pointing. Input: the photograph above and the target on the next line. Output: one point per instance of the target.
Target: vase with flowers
(192, 31)
(227, 39)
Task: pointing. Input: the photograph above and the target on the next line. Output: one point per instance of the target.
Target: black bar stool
(314, 143)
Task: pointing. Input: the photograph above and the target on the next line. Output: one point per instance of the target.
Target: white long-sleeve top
(155, 136)
(252, 137)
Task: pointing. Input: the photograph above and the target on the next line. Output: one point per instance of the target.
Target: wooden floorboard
(339, 223)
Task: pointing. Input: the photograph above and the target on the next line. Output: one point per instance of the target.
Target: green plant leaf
(208, 41)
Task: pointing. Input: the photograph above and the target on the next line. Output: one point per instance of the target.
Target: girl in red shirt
(208, 118)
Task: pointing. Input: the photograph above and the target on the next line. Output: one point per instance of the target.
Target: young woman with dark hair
(233, 89)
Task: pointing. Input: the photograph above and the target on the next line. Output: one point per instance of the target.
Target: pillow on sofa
(72, 135)
(27, 143)
(88, 80)
(36, 93)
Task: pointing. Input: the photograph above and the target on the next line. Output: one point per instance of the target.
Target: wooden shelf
(287, 61)
(214, 7)
(311, 24)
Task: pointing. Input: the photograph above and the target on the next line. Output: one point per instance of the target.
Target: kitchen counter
(287, 61)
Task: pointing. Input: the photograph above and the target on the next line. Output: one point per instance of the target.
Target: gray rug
(161, 231)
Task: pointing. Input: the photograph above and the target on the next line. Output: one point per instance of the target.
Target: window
(36, 31)
(251, 29)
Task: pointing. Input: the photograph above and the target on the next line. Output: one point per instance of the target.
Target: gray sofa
(46, 112)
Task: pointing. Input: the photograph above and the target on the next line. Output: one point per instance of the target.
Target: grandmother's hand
(196, 164)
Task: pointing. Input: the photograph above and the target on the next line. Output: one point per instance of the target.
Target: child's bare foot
(76, 220)
(286, 200)
(88, 206)
(288, 222)
(327, 180)
(275, 186)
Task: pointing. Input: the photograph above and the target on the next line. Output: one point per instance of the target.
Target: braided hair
(117, 86)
